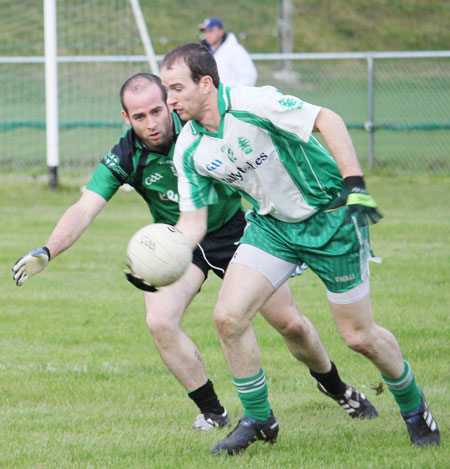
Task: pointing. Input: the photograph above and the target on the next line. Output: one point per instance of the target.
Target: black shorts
(218, 247)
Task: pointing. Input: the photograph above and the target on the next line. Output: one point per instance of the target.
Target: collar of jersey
(224, 104)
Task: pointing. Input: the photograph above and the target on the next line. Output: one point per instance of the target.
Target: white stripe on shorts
(276, 270)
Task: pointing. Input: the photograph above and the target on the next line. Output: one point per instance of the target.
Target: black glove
(357, 201)
(138, 282)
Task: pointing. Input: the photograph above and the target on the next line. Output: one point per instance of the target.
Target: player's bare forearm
(354, 196)
(74, 221)
(193, 225)
(339, 143)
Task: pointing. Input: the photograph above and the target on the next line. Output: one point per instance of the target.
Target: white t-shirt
(234, 63)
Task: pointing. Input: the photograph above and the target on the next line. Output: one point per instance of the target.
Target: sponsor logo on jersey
(170, 195)
(213, 165)
(225, 148)
(149, 180)
(291, 102)
(249, 165)
(244, 145)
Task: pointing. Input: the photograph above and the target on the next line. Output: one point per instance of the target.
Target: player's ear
(206, 83)
(125, 117)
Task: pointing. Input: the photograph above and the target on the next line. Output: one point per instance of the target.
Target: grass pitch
(82, 385)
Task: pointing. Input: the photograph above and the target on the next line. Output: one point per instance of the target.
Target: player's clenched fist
(30, 264)
(357, 201)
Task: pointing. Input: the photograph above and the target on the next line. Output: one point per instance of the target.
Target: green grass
(82, 385)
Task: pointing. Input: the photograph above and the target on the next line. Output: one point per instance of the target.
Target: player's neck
(211, 117)
(211, 125)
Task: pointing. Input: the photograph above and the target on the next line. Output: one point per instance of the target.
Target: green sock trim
(253, 393)
(405, 390)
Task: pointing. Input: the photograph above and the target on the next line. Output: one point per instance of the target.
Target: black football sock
(331, 381)
(206, 399)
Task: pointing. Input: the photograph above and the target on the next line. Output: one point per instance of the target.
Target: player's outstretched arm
(74, 221)
(69, 228)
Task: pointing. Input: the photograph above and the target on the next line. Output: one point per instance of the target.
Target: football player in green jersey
(309, 205)
(143, 158)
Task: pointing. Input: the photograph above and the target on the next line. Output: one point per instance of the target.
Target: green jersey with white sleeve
(264, 149)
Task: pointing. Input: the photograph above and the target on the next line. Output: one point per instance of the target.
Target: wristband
(352, 181)
(47, 251)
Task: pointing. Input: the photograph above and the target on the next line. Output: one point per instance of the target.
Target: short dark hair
(198, 59)
(140, 81)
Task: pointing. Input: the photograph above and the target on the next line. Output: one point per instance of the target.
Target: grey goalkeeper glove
(30, 264)
(357, 202)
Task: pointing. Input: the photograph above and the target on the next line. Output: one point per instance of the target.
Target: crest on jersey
(291, 102)
(111, 160)
(244, 145)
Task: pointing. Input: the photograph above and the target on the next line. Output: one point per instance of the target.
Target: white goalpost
(145, 37)
(51, 59)
(51, 90)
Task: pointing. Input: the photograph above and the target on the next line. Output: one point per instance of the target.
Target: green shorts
(338, 253)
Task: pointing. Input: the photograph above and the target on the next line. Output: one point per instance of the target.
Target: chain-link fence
(395, 104)
(397, 115)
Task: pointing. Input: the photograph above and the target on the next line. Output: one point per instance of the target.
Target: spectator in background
(233, 61)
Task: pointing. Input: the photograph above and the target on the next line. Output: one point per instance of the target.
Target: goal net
(394, 106)
(88, 32)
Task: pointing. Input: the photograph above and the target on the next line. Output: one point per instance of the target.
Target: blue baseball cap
(210, 23)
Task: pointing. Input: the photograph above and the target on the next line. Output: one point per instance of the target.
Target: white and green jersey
(264, 149)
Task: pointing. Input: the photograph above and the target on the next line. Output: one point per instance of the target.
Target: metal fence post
(285, 71)
(369, 125)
